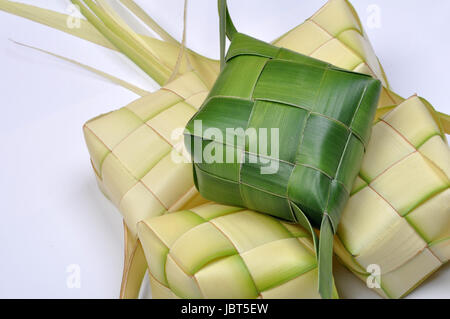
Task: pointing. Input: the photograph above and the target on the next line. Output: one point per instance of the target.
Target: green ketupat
(216, 251)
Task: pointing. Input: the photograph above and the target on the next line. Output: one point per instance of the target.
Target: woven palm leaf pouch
(284, 134)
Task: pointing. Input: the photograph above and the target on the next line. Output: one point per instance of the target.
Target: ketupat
(216, 251)
(319, 117)
(398, 216)
(341, 9)
(333, 34)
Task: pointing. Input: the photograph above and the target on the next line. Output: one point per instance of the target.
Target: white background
(53, 215)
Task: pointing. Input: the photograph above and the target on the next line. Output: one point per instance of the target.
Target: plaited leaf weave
(323, 115)
(398, 216)
(339, 40)
(336, 35)
(216, 251)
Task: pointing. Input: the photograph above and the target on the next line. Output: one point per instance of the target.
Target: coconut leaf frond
(340, 40)
(133, 88)
(190, 89)
(134, 265)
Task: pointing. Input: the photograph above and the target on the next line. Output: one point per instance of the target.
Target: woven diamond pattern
(323, 129)
(335, 34)
(131, 151)
(216, 251)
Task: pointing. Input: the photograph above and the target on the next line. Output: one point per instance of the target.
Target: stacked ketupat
(398, 216)
(416, 186)
(323, 41)
(283, 134)
(216, 251)
(132, 151)
(340, 41)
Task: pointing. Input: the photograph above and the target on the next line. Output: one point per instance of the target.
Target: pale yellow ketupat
(216, 251)
(115, 139)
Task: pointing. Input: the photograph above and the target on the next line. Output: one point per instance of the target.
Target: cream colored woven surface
(399, 214)
(131, 151)
(216, 251)
(129, 147)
